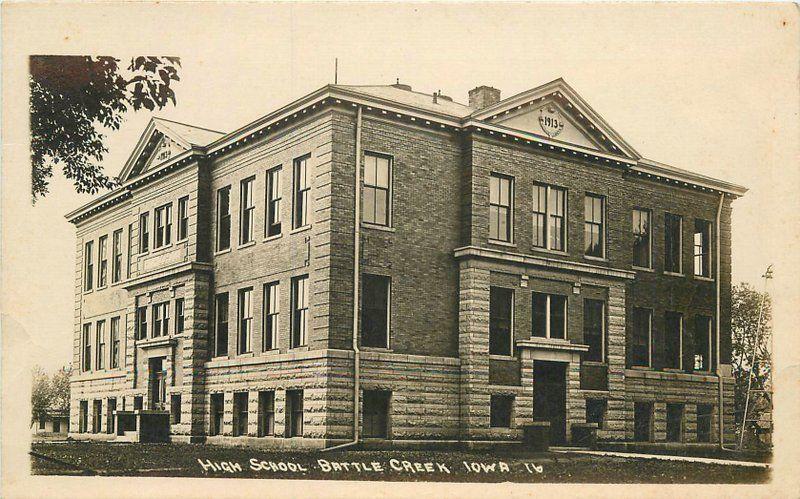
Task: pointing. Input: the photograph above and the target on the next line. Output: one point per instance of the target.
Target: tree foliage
(74, 98)
(49, 392)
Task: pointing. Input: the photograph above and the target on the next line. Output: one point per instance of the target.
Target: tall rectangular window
(240, 402)
(163, 218)
(641, 239)
(294, 409)
(375, 311)
(88, 266)
(273, 218)
(224, 218)
(144, 232)
(115, 342)
(86, 343)
(221, 330)
(217, 413)
(702, 343)
(376, 413)
(266, 413)
(245, 320)
(271, 311)
(247, 209)
(705, 412)
(642, 337)
(593, 227)
(549, 222)
(160, 319)
(673, 243)
(179, 315)
(548, 316)
(501, 313)
(377, 203)
(141, 323)
(702, 248)
(101, 345)
(501, 208)
(675, 422)
(643, 421)
(102, 257)
(130, 251)
(116, 258)
(299, 311)
(302, 186)
(183, 218)
(594, 329)
(673, 340)
(175, 408)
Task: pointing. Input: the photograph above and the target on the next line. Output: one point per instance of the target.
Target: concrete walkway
(664, 457)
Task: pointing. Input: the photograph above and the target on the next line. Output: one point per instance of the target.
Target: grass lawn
(502, 465)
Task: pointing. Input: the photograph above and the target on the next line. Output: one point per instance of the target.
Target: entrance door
(550, 397)
(158, 387)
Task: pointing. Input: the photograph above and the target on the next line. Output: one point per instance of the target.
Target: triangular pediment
(556, 112)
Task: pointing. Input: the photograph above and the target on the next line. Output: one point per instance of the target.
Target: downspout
(721, 407)
(356, 289)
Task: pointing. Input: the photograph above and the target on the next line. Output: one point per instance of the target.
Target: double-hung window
(271, 310)
(501, 318)
(302, 186)
(102, 257)
(183, 218)
(501, 208)
(144, 232)
(116, 258)
(593, 226)
(673, 340)
(299, 311)
(88, 266)
(673, 243)
(642, 337)
(101, 345)
(549, 222)
(702, 248)
(115, 342)
(163, 218)
(375, 311)
(376, 207)
(160, 319)
(245, 320)
(594, 329)
(273, 218)
(86, 341)
(221, 329)
(642, 249)
(179, 315)
(702, 343)
(246, 210)
(141, 323)
(224, 218)
(549, 316)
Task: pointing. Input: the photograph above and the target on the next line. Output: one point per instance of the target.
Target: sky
(708, 88)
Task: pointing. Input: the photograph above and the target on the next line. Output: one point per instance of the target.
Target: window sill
(643, 269)
(181, 240)
(161, 248)
(88, 291)
(222, 252)
(271, 351)
(300, 229)
(502, 243)
(101, 288)
(672, 370)
(674, 274)
(594, 363)
(549, 251)
(142, 253)
(273, 237)
(245, 355)
(642, 368)
(384, 228)
(703, 278)
(247, 244)
(596, 258)
(299, 348)
(494, 356)
(375, 349)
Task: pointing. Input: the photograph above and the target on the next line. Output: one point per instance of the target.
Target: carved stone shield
(551, 121)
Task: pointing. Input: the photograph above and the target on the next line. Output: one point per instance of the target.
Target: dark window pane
(500, 309)
(375, 311)
(593, 329)
(539, 315)
(500, 411)
(672, 341)
(558, 319)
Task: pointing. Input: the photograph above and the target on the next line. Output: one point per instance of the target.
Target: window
(144, 232)
(115, 341)
(273, 218)
(377, 189)
(112, 406)
(501, 312)
(179, 315)
(240, 414)
(674, 422)
(299, 311)
(593, 233)
(375, 311)
(41, 422)
(294, 409)
(500, 407)
(130, 251)
(702, 248)
(163, 218)
(160, 319)
(141, 323)
(83, 416)
(673, 243)
(266, 413)
(596, 411)
(101, 345)
(673, 340)
(87, 347)
(102, 257)
(301, 188)
(376, 413)
(246, 210)
(88, 271)
(702, 343)
(221, 337)
(271, 310)
(704, 415)
(641, 239)
(642, 336)
(501, 207)
(97, 415)
(175, 408)
(549, 208)
(643, 421)
(224, 218)
(116, 259)
(138, 402)
(549, 316)
(245, 320)
(217, 413)
(183, 218)
(593, 329)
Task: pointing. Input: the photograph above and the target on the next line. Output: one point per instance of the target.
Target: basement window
(674, 422)
(217, 413)
(294, 411)
(175, 408)
(704, 415)
(596, 411)
(266, 413)
(500, 411)
(240, 413)
(643, 421)
(376, 413)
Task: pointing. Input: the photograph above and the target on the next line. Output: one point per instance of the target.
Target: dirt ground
(502, 465)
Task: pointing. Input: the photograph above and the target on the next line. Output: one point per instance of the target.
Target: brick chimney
(483, 96)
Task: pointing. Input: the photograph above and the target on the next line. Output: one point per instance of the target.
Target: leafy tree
(50, 392)
(73, 98)
(745, 329)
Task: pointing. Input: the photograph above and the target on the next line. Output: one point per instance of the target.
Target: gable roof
(403, 94)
